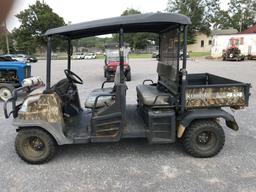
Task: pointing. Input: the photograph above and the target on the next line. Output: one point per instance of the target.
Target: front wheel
(204, 138)
(128, 76)
(35, 146)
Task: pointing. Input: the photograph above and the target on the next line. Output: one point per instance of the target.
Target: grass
(199, 54)
(140, 56)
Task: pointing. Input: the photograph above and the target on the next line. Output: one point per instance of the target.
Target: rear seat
(147, 95)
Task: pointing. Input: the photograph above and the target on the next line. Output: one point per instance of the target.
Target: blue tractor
(12, 73)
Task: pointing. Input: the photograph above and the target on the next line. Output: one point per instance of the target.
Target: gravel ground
(134, 165)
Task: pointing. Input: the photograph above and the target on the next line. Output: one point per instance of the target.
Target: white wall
(221, 42)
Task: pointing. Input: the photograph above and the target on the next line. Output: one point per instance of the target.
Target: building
(245, 41)
(203, 43)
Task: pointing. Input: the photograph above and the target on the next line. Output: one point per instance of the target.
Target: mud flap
(232, 125)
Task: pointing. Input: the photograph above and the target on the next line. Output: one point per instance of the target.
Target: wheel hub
(36, 144)
(204, 137)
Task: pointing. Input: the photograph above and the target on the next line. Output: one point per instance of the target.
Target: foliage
(239, 15)
(90, 42)
(3, 46)
(138, 40)
(35, 21)
(201, 13)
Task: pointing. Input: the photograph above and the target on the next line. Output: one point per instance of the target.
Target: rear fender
(206, 114)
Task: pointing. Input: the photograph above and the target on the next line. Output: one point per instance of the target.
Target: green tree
(3, 46)
(138, 40)
(241, 14)
(35, 21)
(201, 13)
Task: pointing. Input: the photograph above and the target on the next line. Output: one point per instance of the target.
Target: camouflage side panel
(45, 107)
(221, 96)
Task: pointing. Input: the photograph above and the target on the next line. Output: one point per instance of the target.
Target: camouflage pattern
(207, 97)
(45, 107)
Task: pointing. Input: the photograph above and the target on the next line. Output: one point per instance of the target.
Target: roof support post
(178, 50)
(69, 54)
(185, 47)
(48, 66)
(121, 53)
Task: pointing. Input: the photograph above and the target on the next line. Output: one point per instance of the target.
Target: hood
(13, 64)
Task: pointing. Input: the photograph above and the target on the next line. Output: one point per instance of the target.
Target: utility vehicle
(112, 61)
(233, 54)
(178, 106)
(12, 73)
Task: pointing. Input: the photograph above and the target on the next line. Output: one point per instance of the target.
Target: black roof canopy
(150, 22)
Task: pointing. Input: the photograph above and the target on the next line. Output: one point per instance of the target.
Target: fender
(53, 129)
(190, 116)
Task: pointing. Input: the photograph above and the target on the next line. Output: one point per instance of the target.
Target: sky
(85, 10)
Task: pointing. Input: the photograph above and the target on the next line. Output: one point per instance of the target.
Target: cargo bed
(208, 90)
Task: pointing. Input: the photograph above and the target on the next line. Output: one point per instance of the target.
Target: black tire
(128, 76)
(6, 91)
(35, 146)
(105, 73)
(204, 138)
(108, 77)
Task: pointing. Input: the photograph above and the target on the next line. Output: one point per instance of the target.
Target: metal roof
(250, 30)
(150, 22)
(229, 31)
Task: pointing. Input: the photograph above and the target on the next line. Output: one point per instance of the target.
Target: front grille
(27, 71)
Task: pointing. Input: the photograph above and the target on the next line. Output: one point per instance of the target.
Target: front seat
(104, 100)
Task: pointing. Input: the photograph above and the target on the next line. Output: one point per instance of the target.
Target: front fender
(206, 114)
(55, 130)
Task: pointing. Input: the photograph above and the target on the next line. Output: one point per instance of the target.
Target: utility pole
(6, 38)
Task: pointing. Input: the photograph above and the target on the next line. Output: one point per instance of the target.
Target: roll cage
(159, 23)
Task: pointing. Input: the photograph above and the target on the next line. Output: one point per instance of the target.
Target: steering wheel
(74, 78)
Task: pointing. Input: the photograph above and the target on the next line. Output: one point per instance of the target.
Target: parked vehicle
(178, 106)
(155, 54)
(251, 57)
(233, 54)
(79, 56)
(22, 58)
(31, 59)
(112, 60)
(89, 56)
(12, 73)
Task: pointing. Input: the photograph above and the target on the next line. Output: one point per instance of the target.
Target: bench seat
(147, 95)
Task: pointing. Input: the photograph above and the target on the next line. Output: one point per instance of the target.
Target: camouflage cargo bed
(207, 90)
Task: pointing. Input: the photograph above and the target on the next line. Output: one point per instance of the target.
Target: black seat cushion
(148, 93)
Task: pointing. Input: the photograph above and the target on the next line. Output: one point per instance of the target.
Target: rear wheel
(204, 138)
(35, 146)
(6, 92)
(128, 76)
